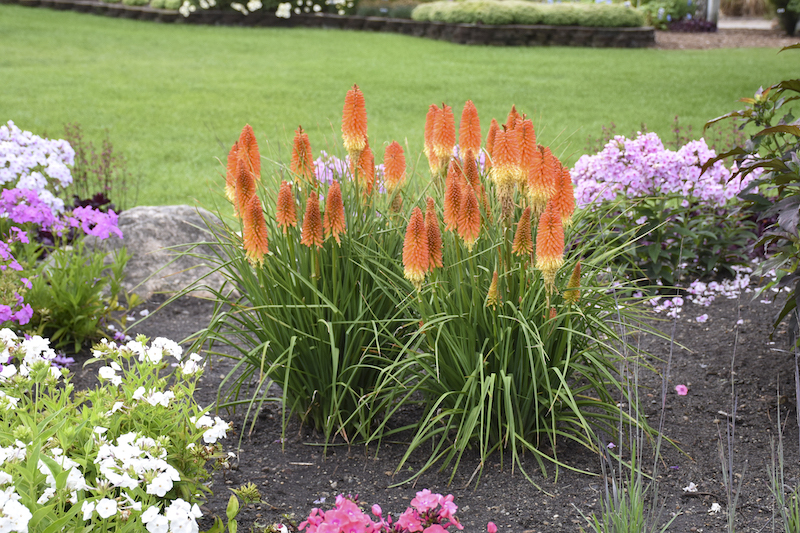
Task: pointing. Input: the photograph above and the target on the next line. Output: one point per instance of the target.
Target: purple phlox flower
(95, 222)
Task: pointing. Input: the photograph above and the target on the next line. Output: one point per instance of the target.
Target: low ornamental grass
(507, 341)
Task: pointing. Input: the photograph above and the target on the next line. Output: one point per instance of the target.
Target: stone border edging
(478, 34)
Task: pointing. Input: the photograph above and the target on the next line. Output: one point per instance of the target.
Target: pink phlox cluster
(23, 206)
(345, 517)
(643, 167)
(21, 316)
(429, 513)
(95, 222)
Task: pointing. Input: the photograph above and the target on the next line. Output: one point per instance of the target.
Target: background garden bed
(479, 34)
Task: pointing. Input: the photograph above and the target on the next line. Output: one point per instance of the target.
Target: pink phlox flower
(682, 390)
(426, 500)
(24, 205)
(20, 235)
(95, 222)
(434, 528)
(491, 528)
(315, 518)
(409, 521)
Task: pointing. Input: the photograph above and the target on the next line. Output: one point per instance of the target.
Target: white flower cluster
(154, 396)
(28, 161)
(13, 515)
(156, 351)
(75, 479)
(179, 516)
(34, 350)
(218, 428)
(136, 460)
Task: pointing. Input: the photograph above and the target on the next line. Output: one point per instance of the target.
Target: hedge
(501, 12)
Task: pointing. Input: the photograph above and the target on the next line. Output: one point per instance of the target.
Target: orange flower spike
(430, 124)
(565, 196)
(573, 293)
(550, 245)
(505, 168)
(394, 167)
(469, 217)
(523, 238)
(536, 189)
(527, 149)
(434, 235)
(230, 172)
(366, 169)
(254, 231)
(245, 187)
(248, 151)
(493, 294)
(452, 198)
(471, 173)
(312, 222)
(550, 172)
(469, 130)
(354, 122)
(416, 256)
(494, 127)
(334, 224)
(285, 212)
(513, 117)
(302, 159)
(444, 133)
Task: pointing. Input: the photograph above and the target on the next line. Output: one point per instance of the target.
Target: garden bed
(297, 475)
(477, 34)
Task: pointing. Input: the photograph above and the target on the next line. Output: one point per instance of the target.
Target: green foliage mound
(521, 12)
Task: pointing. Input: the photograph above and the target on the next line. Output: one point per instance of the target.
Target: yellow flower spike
(550, 246)
(285, 212)
(434, 235)
(394, 167)
(354, 122)
(452, 197)
(573, 293)
(245, 187)
(230, 173)
(523, 238)
(254, 231)
(416, 256)
(493, 295)
(248, 152)
(469, 217)
(469, 130)
(312, 222)
(302, 158)
(490, 138)
(334, 223)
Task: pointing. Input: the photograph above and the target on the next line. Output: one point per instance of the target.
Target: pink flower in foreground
(491, 528)
(682, 390)
(702, 318)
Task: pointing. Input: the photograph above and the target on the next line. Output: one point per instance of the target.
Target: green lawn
(174, 97)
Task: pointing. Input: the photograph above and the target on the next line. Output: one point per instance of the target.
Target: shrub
(522, 12)
(662, 13)
(400, 9)
(788, 12)
(769, 162)
(109, 459)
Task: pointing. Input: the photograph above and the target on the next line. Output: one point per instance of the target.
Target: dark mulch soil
(293, 476)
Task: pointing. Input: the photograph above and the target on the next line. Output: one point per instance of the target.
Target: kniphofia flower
(254, 231)
(285, 212)
(564, 198)
(452, 196)
(245, 187)
(573, 293)
(434, 235)
(527, 150)
(334, 223)
(469, 129)
(354, 122)
(312, 222)
(550, 245)
(469, 216)
(513, 117)
(365, 169)
(493, 294)
(248, 151)
(230, 172)
(416, 256)
(302, 159)
(394, 166)
(523, 238)
(444, 133)
(505, 169)
(541, 186)
(490, 137)
(430, 124)
(471, 173)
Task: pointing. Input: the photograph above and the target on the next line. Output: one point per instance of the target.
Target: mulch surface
(295, 474)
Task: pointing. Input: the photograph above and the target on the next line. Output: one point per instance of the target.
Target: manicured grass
(174, 97)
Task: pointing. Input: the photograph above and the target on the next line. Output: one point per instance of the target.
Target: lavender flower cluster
(30, 162)
(643, 167)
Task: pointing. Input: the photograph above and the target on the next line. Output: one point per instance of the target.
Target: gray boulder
(162, 241)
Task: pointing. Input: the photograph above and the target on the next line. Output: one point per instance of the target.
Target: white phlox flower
(106, 508)
(284, 10)
(13, 515)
